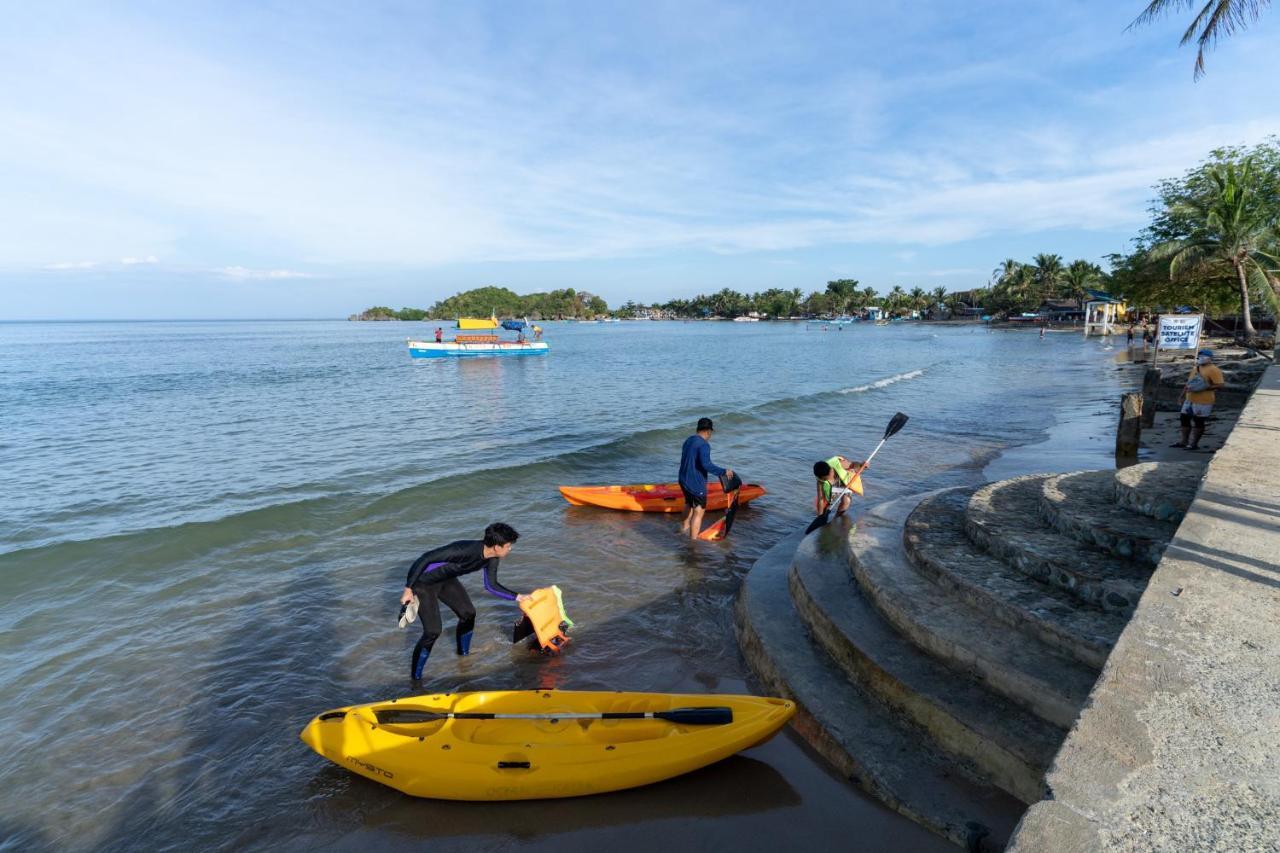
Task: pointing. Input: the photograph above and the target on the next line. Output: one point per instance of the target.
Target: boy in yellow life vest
(841, 472)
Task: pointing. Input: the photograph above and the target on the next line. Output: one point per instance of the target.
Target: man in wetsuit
(695, 465)
(433, 578)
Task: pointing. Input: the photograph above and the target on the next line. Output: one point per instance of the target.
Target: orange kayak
(652, 497)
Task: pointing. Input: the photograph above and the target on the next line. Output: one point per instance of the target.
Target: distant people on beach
(1042, 333)
(1129, 336)
(1197, 400)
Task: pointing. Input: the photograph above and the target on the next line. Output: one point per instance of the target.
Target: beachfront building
(1061, 312)
(1103, 313)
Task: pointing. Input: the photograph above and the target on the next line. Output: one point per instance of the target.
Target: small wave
(883, 383)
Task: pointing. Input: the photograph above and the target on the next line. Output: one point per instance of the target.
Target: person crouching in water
(837, 471)
(433, 578)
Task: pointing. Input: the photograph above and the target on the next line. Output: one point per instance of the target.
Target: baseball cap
(705, 424)
(1207, 352)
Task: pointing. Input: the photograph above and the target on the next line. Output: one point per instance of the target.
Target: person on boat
(537, 333)
(1197, 400)
(836, 471)
(439, 334)
(433, 578)
(695, 465)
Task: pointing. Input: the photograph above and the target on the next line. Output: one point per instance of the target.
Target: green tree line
(503, 303)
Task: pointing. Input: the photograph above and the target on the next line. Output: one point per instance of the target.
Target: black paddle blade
(896, 423)
(820, 521)
(696, 716)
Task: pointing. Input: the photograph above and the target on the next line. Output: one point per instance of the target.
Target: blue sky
(306, 160)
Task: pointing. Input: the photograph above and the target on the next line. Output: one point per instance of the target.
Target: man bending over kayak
(836, 471)
(695, 465)
(433, 578)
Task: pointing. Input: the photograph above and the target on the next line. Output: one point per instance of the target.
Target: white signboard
(1179, 331)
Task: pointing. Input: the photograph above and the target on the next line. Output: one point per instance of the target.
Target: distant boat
(474, 346)
(746, 319)
(474, 323)
(611, 320)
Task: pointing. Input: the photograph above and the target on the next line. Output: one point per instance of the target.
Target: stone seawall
(1178, 747)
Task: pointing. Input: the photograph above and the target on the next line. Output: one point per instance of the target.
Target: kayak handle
(513, 765)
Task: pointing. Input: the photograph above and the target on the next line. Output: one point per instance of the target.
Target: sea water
(205, 526)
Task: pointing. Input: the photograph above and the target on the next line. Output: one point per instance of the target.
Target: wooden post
(1150, 395)
(1130, 430)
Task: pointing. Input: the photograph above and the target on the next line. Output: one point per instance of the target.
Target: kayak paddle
(721, 528)
(895, 423)
(716, 716)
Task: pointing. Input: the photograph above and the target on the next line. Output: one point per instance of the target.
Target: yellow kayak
(426, 746)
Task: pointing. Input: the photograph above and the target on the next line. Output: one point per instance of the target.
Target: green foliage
(503, 303)
(1216, 19)
(1213, 237)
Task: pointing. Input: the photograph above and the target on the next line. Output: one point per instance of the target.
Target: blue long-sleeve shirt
(696, 464)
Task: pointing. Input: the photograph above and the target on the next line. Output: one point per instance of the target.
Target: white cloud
(71, 265)
(246, 274)
(149, 259)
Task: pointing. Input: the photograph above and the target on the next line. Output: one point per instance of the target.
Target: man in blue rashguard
(695, 465)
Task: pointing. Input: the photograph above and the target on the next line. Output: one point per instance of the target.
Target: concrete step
(866, 741)
(1004, 520)
(1083, 506)
(936, 542)
(1007, 743)
(1162, 490)
(1021, 668)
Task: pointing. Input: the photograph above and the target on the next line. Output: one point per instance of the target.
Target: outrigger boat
(472, 346)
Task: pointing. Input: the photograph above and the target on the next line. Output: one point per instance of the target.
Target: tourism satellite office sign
(1179, 331)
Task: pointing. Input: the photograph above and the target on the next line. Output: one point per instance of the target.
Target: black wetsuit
(433, 577)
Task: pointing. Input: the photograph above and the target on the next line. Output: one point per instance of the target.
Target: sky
(261, 159)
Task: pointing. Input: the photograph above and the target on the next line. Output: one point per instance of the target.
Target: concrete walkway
(1179, 746)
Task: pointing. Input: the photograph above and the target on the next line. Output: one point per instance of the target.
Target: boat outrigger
(472, 346)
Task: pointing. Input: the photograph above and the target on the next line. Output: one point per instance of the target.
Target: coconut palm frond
(1216, 19)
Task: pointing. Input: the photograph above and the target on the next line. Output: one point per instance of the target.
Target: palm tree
(939, 297)
(869, 296)
(919, 300)
(1048, 274)
(1231, 225)
(1005, 272)
(1080, 277)
(1217, 18)
(895, 299)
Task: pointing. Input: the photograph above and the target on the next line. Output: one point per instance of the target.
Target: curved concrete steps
(1083, 506)
(936, 542)
(1022, 668)
(1009, 744)
(1161, 490)
(1003, 519)
(866, 741)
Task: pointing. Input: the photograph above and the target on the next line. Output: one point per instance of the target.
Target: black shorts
(692, 500)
